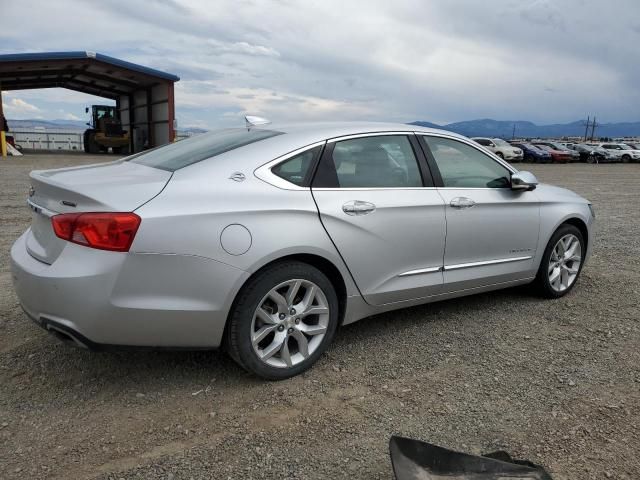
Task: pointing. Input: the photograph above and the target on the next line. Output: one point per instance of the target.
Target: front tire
(90, 145)
(282, 321)
(561, 263)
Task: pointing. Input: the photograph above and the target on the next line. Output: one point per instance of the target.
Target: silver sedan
(263, 240)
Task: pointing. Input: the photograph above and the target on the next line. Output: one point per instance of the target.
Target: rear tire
(626, 159)
(561, 263)
(500, 155)
(267, 336)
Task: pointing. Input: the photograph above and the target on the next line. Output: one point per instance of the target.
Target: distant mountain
(191, 131)
(487, 127)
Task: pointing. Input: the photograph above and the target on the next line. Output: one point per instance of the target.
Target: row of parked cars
(547, 151)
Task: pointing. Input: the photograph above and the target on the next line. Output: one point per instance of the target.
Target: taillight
(102, 230)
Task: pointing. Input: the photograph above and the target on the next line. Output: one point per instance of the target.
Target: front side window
(482, 141)
(462, 166)
(385, 161)
(178, 155)
(296, 168)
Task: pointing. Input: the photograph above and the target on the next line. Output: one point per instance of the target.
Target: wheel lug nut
(297, 321)
(281, 316)
(290, 330)
(280, 328)
(292, 311)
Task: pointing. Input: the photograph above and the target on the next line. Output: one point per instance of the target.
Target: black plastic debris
(416, 460)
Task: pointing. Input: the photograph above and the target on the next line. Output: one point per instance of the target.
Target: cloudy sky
(546, 61)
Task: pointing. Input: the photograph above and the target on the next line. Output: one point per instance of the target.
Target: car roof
(326, 130)
(301, 135)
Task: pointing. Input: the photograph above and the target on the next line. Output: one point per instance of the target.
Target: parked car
(622, 151)
(557, 156)
(594, 154)
(575, 156)
(532, 153)
(569, 145)
(500, 148)
(633, 145)
(262, 240)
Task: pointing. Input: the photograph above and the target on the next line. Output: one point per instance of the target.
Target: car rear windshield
(200, 147)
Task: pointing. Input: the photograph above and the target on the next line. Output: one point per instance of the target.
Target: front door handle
(462, 202)
(358, 207)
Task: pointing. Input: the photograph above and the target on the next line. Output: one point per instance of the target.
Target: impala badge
(237, 177)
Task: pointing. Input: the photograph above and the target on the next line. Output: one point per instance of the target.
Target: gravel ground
(556, 382)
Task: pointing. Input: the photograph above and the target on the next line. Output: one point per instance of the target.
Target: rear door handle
(358, 207)
(462, 202)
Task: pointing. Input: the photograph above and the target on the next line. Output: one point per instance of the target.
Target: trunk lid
(116, 186)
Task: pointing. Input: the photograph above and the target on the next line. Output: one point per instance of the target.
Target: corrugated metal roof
(80, 55)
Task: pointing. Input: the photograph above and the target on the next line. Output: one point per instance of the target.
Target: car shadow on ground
(133, 369)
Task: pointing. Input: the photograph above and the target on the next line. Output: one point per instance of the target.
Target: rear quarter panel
(189, 216)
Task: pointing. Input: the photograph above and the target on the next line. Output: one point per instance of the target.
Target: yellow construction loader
(105, 132)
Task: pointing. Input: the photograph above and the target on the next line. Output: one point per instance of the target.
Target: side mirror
(525, 181)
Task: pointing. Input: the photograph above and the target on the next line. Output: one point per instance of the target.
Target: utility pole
(586, 128)
(513, 134)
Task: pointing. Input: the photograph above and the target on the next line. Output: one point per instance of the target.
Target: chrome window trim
(474, 188)
(371, 134)
(472, 144)
(369, 189)
(420, 271)
(265, 174)
(487, 262)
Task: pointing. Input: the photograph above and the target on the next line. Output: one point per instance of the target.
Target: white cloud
(18, 107)
(379, 60)
(243, 48)
(71, 116)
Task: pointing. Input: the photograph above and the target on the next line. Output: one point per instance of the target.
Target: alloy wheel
(564, 262)
(289, 323)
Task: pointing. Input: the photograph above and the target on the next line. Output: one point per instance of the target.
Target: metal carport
(144, 96)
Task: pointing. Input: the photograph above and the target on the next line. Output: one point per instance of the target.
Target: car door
(378, 204)
(492, 231)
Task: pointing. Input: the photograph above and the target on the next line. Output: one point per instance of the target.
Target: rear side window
(385, 161)
(195, 149)
(482, 141)
(296, 168)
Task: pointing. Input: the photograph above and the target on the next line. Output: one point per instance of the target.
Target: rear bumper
(125, 299)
